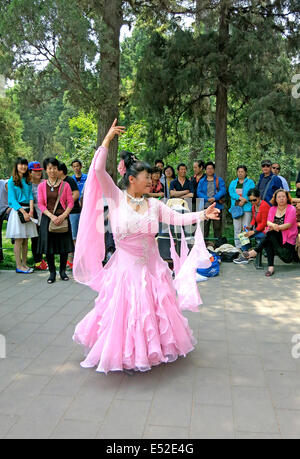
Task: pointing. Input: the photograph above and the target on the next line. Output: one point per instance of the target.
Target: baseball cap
(35, 166)
(266, 162)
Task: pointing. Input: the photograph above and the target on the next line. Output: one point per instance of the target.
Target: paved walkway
(240, 382)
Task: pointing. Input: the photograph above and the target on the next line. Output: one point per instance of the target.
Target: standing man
(212, 189)
(78, 176)
(198, 168)
(276, 170)
(268, 182)
(159, 164)
(181, 187)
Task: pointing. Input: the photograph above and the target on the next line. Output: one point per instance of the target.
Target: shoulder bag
(64, 226)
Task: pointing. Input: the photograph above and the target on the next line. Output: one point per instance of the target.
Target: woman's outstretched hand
(212, 213)
(114, 130)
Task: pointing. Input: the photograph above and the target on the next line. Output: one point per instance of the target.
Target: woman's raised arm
(109, 188)
(171, 217)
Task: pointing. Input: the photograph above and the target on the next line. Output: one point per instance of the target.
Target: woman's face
(36, 175)
(142, 183)
(155, 177)
(52, 171)
(241, 173)
(254, 200)
(169, 173)
(22, 168)
(281, 198)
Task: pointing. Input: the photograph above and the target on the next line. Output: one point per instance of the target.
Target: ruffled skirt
(136, 322)
(17, 230)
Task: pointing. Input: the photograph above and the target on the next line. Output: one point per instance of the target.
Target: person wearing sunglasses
(258, 225)
(276, 170)
(268, 182)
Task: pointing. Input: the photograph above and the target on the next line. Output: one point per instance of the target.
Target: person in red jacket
(258, 225)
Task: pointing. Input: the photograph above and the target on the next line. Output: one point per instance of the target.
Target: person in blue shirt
(212, 189)
(78, 176)
(19, 226)
(268, 182)
(276, 169)
(238, 192)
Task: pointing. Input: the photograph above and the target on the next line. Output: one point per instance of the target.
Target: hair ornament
(122, 168)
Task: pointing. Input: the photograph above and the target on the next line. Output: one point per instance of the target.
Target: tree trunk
(110, 77)
(221, 145)
(202, 117)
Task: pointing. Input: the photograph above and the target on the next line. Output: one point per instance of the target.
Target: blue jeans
(74, 220)
(258, 237)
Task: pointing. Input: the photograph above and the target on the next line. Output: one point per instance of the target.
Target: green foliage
(83, 132)
(39, 101)
(134, 140)
(11, 143)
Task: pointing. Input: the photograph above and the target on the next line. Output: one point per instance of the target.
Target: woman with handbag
(55, 202)
(240, 206)
(19, 226)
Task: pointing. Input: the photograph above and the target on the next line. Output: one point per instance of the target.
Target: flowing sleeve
(171, 217)
(185, 279)
(186, 265)
(90, 242)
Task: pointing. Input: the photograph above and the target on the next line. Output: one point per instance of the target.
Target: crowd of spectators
(44, 204)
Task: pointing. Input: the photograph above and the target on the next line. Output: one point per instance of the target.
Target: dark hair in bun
(133, 166)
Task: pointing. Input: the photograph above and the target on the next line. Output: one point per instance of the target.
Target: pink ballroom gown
(136, 322)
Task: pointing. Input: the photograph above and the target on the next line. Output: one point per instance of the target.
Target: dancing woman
(136, 322)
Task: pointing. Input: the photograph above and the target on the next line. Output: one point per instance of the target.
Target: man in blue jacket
(212, 189)
(268, 182)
